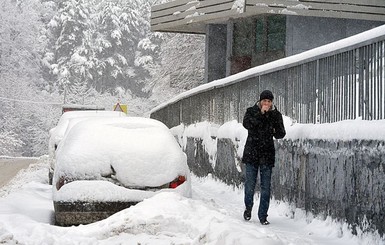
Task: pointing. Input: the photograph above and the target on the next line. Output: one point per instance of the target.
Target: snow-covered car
(104, 165)
(66, 121)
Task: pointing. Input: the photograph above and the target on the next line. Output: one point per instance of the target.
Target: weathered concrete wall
(305, 32)
(197, 158)
(216, 48)
(343, 179)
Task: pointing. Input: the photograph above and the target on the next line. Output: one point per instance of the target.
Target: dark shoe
(247, 214)
(265, 222)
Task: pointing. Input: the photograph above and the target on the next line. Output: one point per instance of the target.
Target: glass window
(270, 33)
(260, 31)
(276, 32)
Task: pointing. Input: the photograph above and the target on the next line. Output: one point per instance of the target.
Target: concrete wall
(345, 180)
(215, 53)
(305, 33)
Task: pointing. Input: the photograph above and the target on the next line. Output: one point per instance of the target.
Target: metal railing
(339, 81)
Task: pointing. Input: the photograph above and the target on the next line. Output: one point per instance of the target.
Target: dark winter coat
(259, 147)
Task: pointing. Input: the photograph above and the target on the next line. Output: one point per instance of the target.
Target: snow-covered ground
(212, 216)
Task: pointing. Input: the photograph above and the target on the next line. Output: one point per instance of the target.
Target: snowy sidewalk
(212, 216)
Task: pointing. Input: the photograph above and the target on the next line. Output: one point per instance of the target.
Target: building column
(229, 48)
(215, 52)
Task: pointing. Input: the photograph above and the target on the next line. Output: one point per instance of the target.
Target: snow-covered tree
(181, 67)
(79, 93)
(9, 142)
(20, 41)
(105, 44)
(190, 49)
(120, 28)
(81, 51)
(36, 133)
(21, 44)
(70, 55)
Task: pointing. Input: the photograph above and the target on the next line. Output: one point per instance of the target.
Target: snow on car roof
(141, 151)
(57, 133)
(61, 127)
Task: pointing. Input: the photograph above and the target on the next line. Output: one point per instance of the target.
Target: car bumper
(76, 213)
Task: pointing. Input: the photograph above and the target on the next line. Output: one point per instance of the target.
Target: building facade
(241, 34)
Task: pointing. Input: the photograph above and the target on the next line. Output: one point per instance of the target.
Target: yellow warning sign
(120, 107)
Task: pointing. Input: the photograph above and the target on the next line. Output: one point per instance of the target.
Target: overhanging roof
(191, 16)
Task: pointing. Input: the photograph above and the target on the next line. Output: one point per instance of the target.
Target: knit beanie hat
(266, 94)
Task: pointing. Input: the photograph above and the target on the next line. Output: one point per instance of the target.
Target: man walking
(263, 122)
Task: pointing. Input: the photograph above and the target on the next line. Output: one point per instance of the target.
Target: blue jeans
(250, 182)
